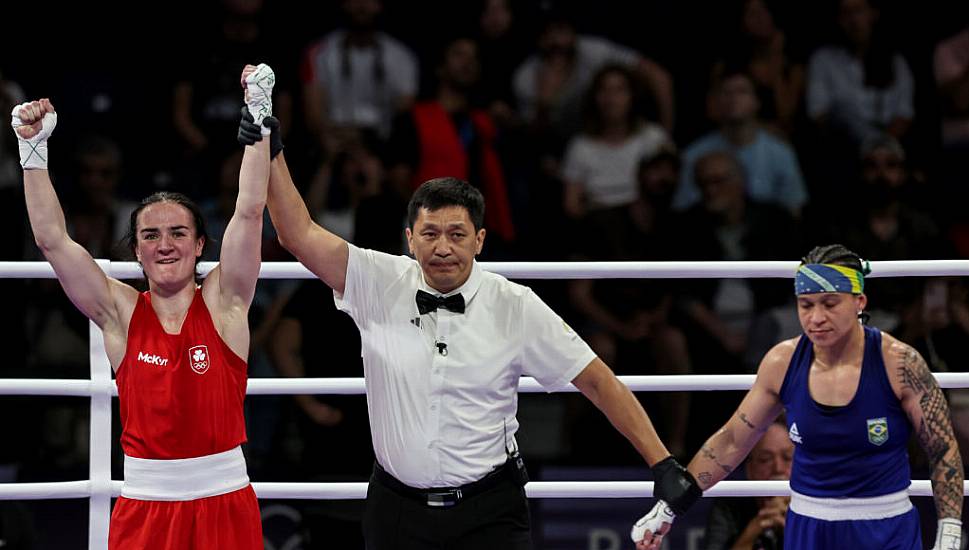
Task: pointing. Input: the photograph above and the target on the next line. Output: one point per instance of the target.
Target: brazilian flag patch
(877, 430)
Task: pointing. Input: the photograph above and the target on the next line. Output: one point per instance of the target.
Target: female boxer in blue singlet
(852, 396)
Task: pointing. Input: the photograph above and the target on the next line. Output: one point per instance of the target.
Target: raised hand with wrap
(33, 123)
(258, 82)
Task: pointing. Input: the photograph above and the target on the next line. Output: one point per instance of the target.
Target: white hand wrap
(33, 151)
(949, 535)
(653, 521)
(259, 94)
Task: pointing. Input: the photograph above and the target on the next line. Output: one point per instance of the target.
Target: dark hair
(667, 153)
(131, 237)
(737, 169)
(556, 15)
(590, 107)
(836, 254)
(730, 69)
(448, 42)
(438, 193)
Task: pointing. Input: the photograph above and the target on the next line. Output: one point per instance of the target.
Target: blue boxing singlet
(854, 451)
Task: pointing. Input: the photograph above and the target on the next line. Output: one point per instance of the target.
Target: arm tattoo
(743, 418)
(705, 479)
(934, 431)
(707, 452)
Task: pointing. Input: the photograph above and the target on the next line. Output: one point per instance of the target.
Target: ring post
(100, 442)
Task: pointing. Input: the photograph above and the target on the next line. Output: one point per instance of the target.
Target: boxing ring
(100, 488)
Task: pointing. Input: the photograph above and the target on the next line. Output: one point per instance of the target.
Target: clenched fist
(33, 123)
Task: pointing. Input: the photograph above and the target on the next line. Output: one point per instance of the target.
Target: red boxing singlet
(180, 394)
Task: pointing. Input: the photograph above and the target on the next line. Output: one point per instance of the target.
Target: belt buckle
(444, 499)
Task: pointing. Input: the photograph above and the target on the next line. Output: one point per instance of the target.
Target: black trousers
(496, 519)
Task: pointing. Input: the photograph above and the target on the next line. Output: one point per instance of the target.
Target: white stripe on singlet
(842, 509)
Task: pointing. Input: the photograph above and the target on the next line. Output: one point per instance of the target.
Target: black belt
(447, 496)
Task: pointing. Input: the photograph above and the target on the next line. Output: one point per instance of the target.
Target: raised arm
(91, 291)
(928, 411)
(241, 252)
(322, 252)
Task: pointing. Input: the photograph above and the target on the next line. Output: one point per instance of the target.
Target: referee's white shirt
(444, 420)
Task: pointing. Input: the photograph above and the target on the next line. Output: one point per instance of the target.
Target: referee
(444, 345)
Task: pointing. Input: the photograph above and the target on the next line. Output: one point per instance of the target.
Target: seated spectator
(357, 78)
(627, 320)
(862, 85)
(448, 136)
(658, 177)
(727, 225)
(599, 169)
(356, 174)
(762, 47)
(951, 64)
(772, 173)
(755, 523)
(886, 224)
(97, 216)
(502, 49)
(550, 84)
(218, 210)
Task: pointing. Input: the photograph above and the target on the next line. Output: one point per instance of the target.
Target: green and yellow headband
(818, 278)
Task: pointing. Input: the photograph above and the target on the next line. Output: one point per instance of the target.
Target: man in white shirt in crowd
(356, 78)
(444, 345)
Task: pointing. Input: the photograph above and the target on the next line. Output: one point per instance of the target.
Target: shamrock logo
(199, 356)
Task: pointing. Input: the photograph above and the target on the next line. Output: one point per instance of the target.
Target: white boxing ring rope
(101, 388)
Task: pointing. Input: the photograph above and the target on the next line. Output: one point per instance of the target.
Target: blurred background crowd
(608, 130)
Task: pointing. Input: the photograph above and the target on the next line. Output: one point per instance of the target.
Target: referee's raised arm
(322, 252)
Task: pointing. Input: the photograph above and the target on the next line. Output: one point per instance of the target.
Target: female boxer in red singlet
(178, 350)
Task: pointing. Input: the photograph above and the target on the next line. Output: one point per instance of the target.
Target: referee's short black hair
(438, 193)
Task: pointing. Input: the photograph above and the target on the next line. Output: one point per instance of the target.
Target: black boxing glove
(250, 133)
(675, 485)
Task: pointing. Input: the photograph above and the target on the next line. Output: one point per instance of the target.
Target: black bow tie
(427, 302)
